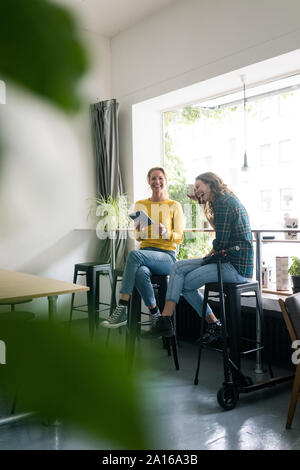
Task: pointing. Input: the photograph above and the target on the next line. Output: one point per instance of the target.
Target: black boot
(161, 326)
(213, 334)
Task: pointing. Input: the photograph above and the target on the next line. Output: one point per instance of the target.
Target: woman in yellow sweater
(156, 254)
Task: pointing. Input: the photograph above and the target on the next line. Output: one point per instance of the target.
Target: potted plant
(113, 213)
(294, 271)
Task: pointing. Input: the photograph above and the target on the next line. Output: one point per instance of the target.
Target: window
(266, 200)
(269, 188)
(208, 163)
(265, 110)
(285, 151)
(265, 154)
(286, 199)
(286, 103)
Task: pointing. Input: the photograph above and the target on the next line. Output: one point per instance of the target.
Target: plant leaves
(294, 269)
(40, 50)
(62, 375)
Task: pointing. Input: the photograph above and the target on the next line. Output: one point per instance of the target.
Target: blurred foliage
(195, 245)
(61, 375)
(190, 114)
(57, 373)
(41, 51)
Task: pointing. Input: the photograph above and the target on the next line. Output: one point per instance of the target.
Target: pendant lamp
(245, 166)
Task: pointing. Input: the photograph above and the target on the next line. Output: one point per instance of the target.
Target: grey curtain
(104, 121)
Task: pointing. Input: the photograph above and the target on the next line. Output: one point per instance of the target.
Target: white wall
(189, 42)
(47, 178)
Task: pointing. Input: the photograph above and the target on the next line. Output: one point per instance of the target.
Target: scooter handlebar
(222, 254)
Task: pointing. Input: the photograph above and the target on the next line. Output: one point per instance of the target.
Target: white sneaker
(117, 318)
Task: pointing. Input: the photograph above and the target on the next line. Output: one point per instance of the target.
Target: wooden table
(20, 286)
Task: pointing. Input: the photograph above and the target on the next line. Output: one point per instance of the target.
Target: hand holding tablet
(141, 218)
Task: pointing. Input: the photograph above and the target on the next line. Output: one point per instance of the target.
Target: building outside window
(286, 199)
(266, 200)
(266, 157)
(285, 151)
(210, 137)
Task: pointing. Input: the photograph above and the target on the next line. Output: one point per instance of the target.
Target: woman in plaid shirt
(230, 221)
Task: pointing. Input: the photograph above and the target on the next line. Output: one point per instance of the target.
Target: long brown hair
(217, 187)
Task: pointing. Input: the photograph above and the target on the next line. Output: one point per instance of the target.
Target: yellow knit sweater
(169, 213)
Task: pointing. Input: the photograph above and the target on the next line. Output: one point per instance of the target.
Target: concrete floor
(185, 416)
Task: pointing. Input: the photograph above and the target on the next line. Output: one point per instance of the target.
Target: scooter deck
(266, 383)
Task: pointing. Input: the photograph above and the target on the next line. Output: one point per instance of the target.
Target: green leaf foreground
(41, 51)
(61, 375)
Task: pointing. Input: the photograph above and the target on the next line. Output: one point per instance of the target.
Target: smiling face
(157, 181)
(202, 190)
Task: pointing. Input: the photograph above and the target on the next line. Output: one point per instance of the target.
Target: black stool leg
(73, 295)
(205, 300)
(113, 300)
(263, 330)
(226, 358)
(166, 344)
(91, 279)
(110, 277)
(174, 351)
(97, 298)
(160, 293)
(234, 326)
(169, 343)
(132, 325)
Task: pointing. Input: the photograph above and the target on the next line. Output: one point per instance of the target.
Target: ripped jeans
(188, 276)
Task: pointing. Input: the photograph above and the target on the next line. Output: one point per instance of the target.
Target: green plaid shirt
(233, 228)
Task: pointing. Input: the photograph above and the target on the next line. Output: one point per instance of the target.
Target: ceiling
(110, 17)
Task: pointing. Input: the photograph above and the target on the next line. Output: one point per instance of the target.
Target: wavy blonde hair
(217, 187)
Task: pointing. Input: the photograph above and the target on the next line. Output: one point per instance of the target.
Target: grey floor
(185, 416)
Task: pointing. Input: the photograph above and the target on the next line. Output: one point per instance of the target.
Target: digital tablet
(140, 217)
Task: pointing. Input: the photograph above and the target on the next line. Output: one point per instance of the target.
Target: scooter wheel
(227, 397)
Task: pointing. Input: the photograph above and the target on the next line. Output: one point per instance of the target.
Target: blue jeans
(140, 266)
(188, 276)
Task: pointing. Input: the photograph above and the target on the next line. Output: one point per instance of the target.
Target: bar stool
(134, 323)
(92, 272)
(233, 293)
